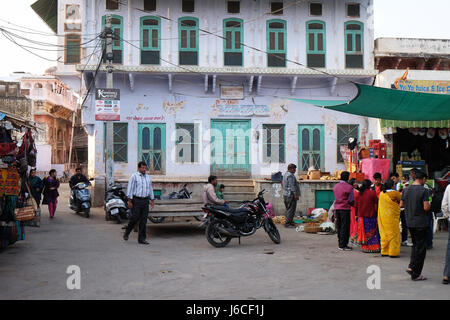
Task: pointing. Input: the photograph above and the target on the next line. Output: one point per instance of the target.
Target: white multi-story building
(205, 84)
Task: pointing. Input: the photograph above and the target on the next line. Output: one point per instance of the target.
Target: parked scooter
(80, 199)
(184, 193)
(116, 207)
(223, 223)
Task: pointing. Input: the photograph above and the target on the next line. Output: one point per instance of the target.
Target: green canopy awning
(391, 104)
(48, 11)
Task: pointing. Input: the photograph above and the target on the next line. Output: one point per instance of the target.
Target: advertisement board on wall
(107, 104)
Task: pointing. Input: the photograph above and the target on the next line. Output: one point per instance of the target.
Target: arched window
(146, 139)
(232, 43)
(354, 44)
(315, 44)
(276, 43)
(188, 41)
(117, 43)
(150, 40)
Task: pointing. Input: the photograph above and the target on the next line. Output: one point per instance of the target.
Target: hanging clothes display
(15, 192)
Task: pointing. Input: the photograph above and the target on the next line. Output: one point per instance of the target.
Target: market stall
(17, 154)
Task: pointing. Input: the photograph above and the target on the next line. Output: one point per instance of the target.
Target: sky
(392, 18)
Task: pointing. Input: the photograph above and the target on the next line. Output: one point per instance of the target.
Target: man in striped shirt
(139, 192)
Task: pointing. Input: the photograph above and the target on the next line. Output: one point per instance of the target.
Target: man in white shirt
(446, 211)
(139, 193)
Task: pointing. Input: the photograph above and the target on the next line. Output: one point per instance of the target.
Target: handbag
(31, 201)
(24, 214)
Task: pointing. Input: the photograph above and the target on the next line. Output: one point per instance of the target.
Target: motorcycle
(223, 223)
(116, 206)
(184, 193)
(80, 199)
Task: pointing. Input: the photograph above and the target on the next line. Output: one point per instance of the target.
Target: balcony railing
(54, 98)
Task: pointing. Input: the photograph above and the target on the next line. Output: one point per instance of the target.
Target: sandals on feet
(419, 278)
(409, 271)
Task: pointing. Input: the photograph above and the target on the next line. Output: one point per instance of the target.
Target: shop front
(422, 144)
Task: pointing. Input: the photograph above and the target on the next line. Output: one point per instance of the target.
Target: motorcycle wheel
(119, 221)
(156, 219)
(86, 213)
(272, 231)
(214, 237)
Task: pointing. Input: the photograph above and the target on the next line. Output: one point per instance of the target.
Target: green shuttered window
(188, 41)
(117, 43)
(150, 40)
(354, 44)
(316, 44)
(232, 43)
(276, 43)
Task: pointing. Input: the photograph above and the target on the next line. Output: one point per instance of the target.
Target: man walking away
(415, 200)
(344, 200)
(291, 194)
(139, 192)
(209, 193)
(446, 212)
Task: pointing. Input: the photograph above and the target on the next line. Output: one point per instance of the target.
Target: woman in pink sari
(353, 217)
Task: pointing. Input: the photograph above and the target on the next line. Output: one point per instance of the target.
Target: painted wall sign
(151, 118)
(244, 110)
(427, 86)
(107, 104)
(172, 107)
(231, 108)
(232, 92)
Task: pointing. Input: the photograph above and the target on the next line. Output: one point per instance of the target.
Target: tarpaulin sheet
(391, 104)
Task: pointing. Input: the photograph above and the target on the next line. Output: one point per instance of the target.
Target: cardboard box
(359, 176)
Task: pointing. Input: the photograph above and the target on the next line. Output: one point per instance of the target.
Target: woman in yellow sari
(388, 220)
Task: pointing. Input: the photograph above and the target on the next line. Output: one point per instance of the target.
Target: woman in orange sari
(388, 217)
(353, 218)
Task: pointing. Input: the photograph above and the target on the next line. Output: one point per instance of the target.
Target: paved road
(181, 264)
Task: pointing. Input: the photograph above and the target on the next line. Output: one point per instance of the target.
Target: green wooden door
(230, 148)
(311, 147)
(152, 146)
(324, 199)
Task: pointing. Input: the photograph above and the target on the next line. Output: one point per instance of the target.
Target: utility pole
(109, 85)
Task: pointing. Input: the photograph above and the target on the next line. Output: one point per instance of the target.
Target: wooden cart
(176, 208)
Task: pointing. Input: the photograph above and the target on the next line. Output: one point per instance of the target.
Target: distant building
(13, 102)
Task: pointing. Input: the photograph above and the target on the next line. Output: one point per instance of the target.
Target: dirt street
(180, 264)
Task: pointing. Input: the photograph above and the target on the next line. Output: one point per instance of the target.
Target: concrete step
(239, 196)
(238, 185)
(238, 189)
